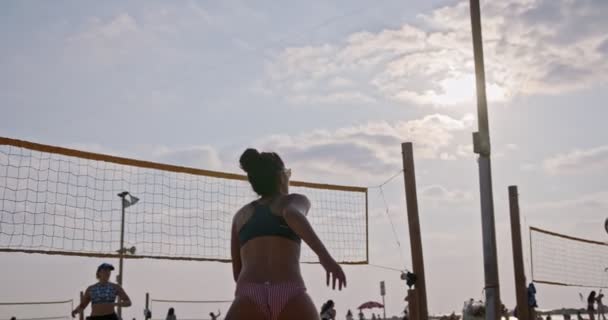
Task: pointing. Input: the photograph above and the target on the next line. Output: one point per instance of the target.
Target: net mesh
(55, 200)
(564, 260)
(189, 309)
(47, 310)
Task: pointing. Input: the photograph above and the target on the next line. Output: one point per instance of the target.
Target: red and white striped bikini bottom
(271, 298)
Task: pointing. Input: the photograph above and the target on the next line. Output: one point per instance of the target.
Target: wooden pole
(412, 305)
(481, 146)
(122, 253)
(81, 315)
(147, 305)
(411, 198)
(518, 257)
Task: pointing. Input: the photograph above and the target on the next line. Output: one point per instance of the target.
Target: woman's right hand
(334, 271)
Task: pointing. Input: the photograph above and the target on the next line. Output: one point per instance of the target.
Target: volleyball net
(187, 309)
(37, 310)
(56, 200)
(560, 259)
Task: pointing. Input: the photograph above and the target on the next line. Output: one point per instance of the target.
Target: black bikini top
(265, 223)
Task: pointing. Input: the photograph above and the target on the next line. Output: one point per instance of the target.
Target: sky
(334, 88)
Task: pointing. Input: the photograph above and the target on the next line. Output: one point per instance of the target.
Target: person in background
(532, 304)
(13, 318)
(215, 317)
(327, 311)
(373, 316)
(578, 316)
(171, 314)
(102, 295)
(349, 315)
(591, 305)
(600, 306)
(361, 315)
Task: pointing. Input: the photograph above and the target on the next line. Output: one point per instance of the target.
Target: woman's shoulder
(243, 213)
(116, 286)
(294, 198)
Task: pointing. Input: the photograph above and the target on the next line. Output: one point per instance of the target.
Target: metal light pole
(121, 252)
(481, 145)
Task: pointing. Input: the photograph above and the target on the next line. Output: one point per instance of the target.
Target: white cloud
(578, 161)
(526, 49)
(202, 157)
(441, 193)
(593, 203)
(367, 150)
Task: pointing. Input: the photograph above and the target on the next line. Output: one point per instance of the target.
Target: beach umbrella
(371, 305)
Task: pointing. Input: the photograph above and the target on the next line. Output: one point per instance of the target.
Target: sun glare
(461, 89)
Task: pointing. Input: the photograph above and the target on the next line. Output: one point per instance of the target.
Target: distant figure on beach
(215, 317)
(600, 306)
(373, 316)
(349, 315)
(361, 315)
(548, 317)
(102, 296)
(591, 305)
(504, 311)
(578, 316)
(327, 311)
(171, 314)
(532, 304)
(13, 318)
(266, 243)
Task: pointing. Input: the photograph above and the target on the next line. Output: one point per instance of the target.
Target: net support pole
(412, 304)
(121, 251)
(147, 306)
(481, 146)
(411, 198)
(81, 314)
(383, 308)
(518, 257)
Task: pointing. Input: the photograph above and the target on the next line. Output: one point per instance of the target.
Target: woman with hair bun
(266, 237)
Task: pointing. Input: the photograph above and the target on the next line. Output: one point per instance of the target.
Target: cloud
(578, 161)
(368, 150)
(593, 203)
(440, 193)
(136, 36)
(202, 157)
(531, 47)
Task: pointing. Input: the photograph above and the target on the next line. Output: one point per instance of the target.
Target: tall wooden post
(81, 315)
(482, 147)
(412, 305)
(518, 259)
(147, 306)
(411, 198)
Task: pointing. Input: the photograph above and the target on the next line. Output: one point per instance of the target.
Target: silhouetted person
(171, 314)
(591, 305)
(215, 317)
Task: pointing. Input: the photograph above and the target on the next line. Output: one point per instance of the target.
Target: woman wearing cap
(266, 237)
(102, 296)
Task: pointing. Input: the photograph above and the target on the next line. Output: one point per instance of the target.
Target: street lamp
(127, 201)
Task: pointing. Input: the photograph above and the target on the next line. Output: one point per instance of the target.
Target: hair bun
(250, 159)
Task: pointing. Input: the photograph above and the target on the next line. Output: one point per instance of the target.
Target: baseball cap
(105, 266)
